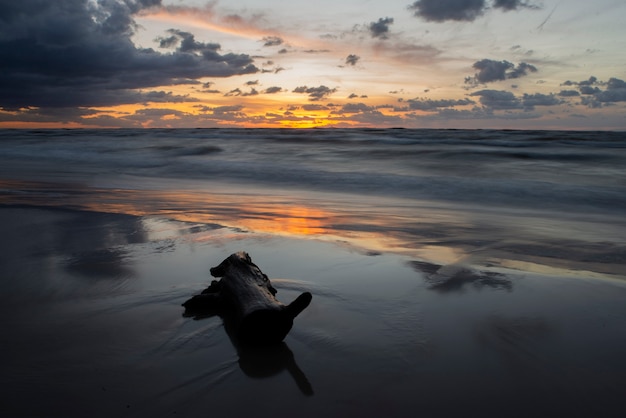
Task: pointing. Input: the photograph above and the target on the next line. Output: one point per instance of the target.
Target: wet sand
(93, 327)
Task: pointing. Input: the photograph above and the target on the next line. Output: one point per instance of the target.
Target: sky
(493, 64)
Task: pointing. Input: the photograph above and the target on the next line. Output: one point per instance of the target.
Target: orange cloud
(208, 18)
(253, 27)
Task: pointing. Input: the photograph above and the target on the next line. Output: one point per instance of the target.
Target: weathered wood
(247, 297)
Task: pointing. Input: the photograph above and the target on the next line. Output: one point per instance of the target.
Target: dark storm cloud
(352, 59)
(491, 70)
(380, 29)
(67, 53)
(315, 93)
(463, 10)
(498, 99)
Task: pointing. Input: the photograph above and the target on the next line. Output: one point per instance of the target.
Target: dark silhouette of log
(246, 296)
(266, 361)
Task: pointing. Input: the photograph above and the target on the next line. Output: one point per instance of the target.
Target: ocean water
(454, 273)
(484, 196)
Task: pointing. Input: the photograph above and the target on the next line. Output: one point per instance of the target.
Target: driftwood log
(246, 298)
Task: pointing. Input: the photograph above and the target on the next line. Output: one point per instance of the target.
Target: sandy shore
(93, 327)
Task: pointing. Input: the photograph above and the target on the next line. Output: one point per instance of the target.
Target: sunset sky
(526, 64)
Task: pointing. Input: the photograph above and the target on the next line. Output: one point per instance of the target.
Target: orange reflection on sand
(264, 214)
(355, 224)
(292, 220)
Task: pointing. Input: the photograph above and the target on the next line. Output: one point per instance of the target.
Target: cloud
(315, 93)
(381, 28)
(442, 10)
(155, 113)
(252, 92)
(593, 96)
(615, 91)
(376, 118)
(272, 40)
(221, 110)
(234, 92)
(431, 105)
(588, 90)
(274, 70)
(463, 10)
(522, 69)
(316, 51)
(538, 99)
(508, 5)
(50, 115)
(75, 53)
(589, 82)
(246, 25)
(239, 92)
(490, 70)
(352, 59)
(407, 52)
(166, 97)
(498, 99)
(273, 90)
(354, 108)
(313, 107)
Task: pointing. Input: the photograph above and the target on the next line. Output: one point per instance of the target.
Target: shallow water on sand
(93, 327)
(453, 273)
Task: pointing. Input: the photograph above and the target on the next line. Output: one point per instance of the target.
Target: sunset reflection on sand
(425, 230)
(344, 219)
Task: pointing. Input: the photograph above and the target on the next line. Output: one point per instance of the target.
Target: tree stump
(247, 298)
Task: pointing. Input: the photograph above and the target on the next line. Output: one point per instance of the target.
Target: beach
(497, 289)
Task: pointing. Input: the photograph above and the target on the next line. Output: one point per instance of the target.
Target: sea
(453, 272)
(444, 194)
